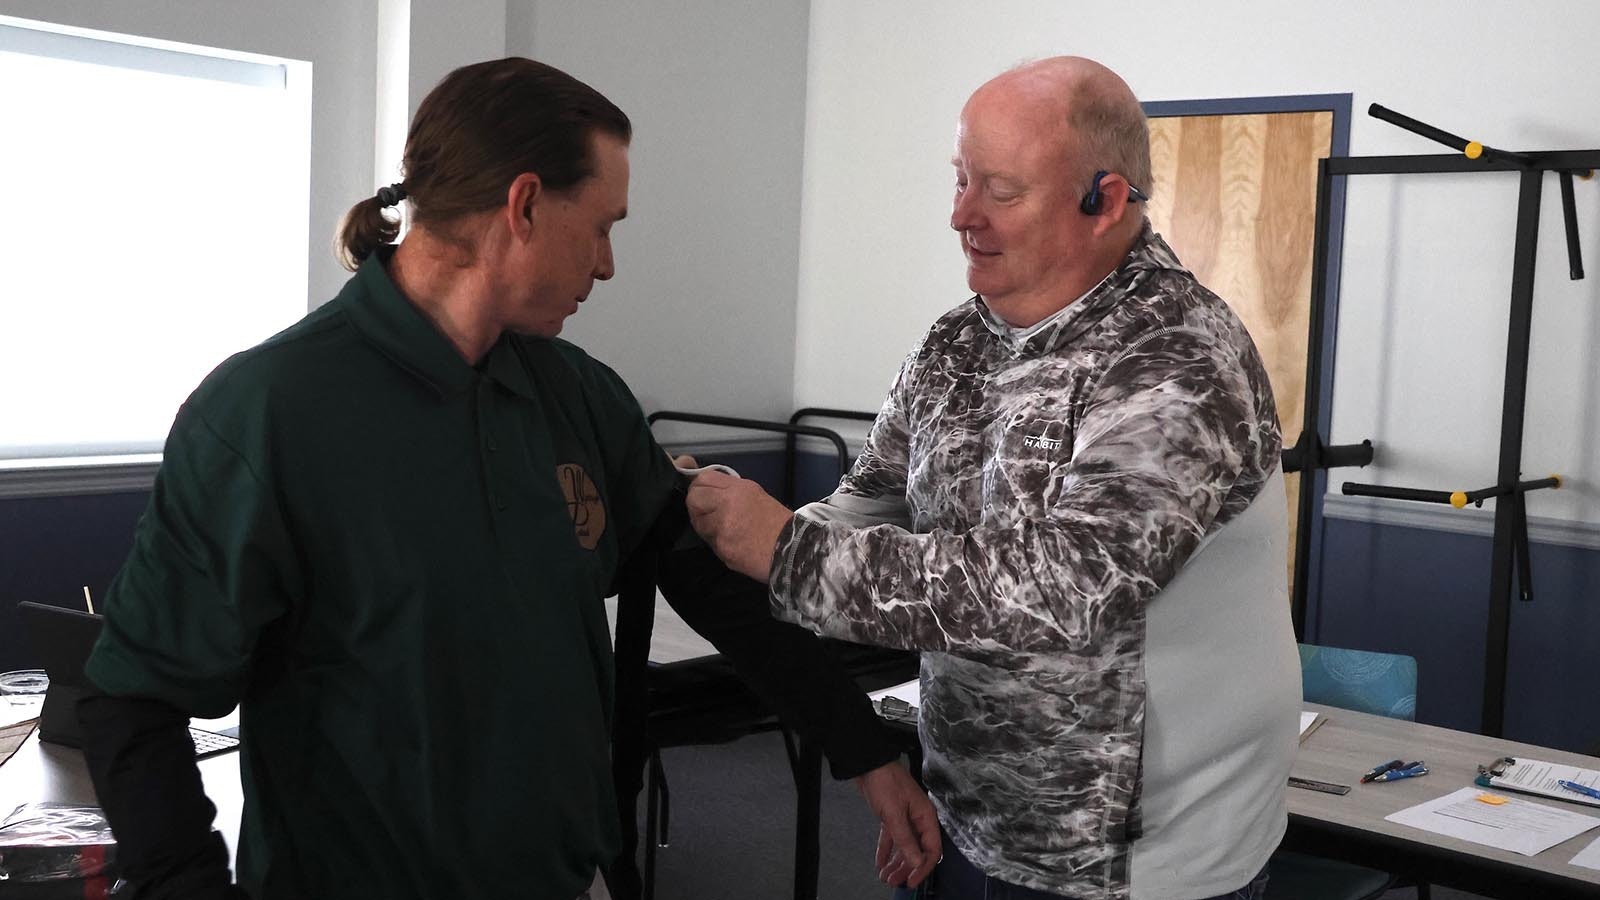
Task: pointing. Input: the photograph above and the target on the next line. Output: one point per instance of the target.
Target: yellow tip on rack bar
(1473, 150)
(1458, 499)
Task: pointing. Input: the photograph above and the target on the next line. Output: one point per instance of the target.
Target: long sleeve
(789, 667)
(143, 766)
(182, 620)
(1162, 439)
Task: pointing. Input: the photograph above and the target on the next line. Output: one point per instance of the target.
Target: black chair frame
(702, 701)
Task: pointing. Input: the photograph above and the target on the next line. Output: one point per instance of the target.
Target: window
(155, 220)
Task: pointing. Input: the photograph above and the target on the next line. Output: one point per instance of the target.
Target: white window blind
(154, 222)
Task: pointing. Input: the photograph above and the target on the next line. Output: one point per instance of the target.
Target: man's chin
(539, 329)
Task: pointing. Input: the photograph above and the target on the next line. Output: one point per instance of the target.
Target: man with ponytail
(386, 533)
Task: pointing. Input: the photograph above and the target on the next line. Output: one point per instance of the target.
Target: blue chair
(1383, 684)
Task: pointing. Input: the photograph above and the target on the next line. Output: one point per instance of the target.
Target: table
(1352, 827)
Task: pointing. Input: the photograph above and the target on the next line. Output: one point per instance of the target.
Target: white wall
(701, 313)
(448, 34)
(336, 36)
(1427, 258)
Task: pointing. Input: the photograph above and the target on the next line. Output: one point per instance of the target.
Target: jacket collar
(1149, 254)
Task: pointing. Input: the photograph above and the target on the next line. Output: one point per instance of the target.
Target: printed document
(1535, 776)
(1520, 826)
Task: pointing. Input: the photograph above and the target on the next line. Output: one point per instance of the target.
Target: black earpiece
(1091, 200)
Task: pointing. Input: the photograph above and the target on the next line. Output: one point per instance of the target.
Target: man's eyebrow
(988, 174)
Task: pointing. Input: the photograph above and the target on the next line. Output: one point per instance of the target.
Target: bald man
(1071, 504)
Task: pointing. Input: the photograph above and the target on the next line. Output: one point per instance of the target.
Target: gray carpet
(732, 830)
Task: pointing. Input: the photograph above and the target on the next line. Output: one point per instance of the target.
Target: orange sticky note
(1492, 799)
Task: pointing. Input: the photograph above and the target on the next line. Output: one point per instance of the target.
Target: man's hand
(908, 836)
(739, 520)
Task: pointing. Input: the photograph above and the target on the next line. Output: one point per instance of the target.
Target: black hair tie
(392, 194)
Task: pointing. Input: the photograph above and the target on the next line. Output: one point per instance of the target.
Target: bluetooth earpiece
(1091, 200)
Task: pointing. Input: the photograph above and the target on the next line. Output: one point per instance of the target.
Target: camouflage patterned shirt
(1081, 525)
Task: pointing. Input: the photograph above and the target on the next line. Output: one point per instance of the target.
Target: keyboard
(210, 743)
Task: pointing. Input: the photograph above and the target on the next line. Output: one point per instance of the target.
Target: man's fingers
(714, 478)
(895, 871)
(881, 858)
(685, 462)
(916, 876)
(905, 840)
(926, 821)
(702, 499)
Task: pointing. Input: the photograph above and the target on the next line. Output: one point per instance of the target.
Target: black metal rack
(1510, 550)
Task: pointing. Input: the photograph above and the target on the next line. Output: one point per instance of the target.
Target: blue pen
(1580, 789)
(1409, 770)
(1380, 769)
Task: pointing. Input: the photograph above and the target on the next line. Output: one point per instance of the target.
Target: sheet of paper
(910, 693)
(1306, 718)
(1520, 826)
(1588, 857)
(1535, 776)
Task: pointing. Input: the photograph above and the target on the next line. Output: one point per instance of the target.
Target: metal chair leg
(807, 820)
(658, 777)
(651, 809)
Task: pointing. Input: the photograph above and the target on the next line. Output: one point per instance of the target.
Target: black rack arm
(1458, 499)
(1309, 453)
(1569, 216)
(1471, 149)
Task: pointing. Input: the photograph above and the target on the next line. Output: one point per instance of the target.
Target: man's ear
(1114, 205)
(523, 199)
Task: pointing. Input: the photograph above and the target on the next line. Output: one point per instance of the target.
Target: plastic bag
(56, 842)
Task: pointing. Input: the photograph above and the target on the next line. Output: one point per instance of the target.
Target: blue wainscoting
(1424, 592)
(51, 547)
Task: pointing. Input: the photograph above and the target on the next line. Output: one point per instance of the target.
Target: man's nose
(965, 214)
(605, 266)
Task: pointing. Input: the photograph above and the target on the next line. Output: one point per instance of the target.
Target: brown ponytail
(474, 133)
(364, 228)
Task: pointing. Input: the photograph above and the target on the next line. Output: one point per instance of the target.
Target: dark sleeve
(210, 570)
(143, 766)
(788, 666)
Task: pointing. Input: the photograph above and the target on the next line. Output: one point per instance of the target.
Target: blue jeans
(956, 878)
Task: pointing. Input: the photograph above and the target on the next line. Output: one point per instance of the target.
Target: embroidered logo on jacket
(1040, 442)
(583, 504)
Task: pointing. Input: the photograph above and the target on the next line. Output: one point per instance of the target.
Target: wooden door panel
(1236, 196)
